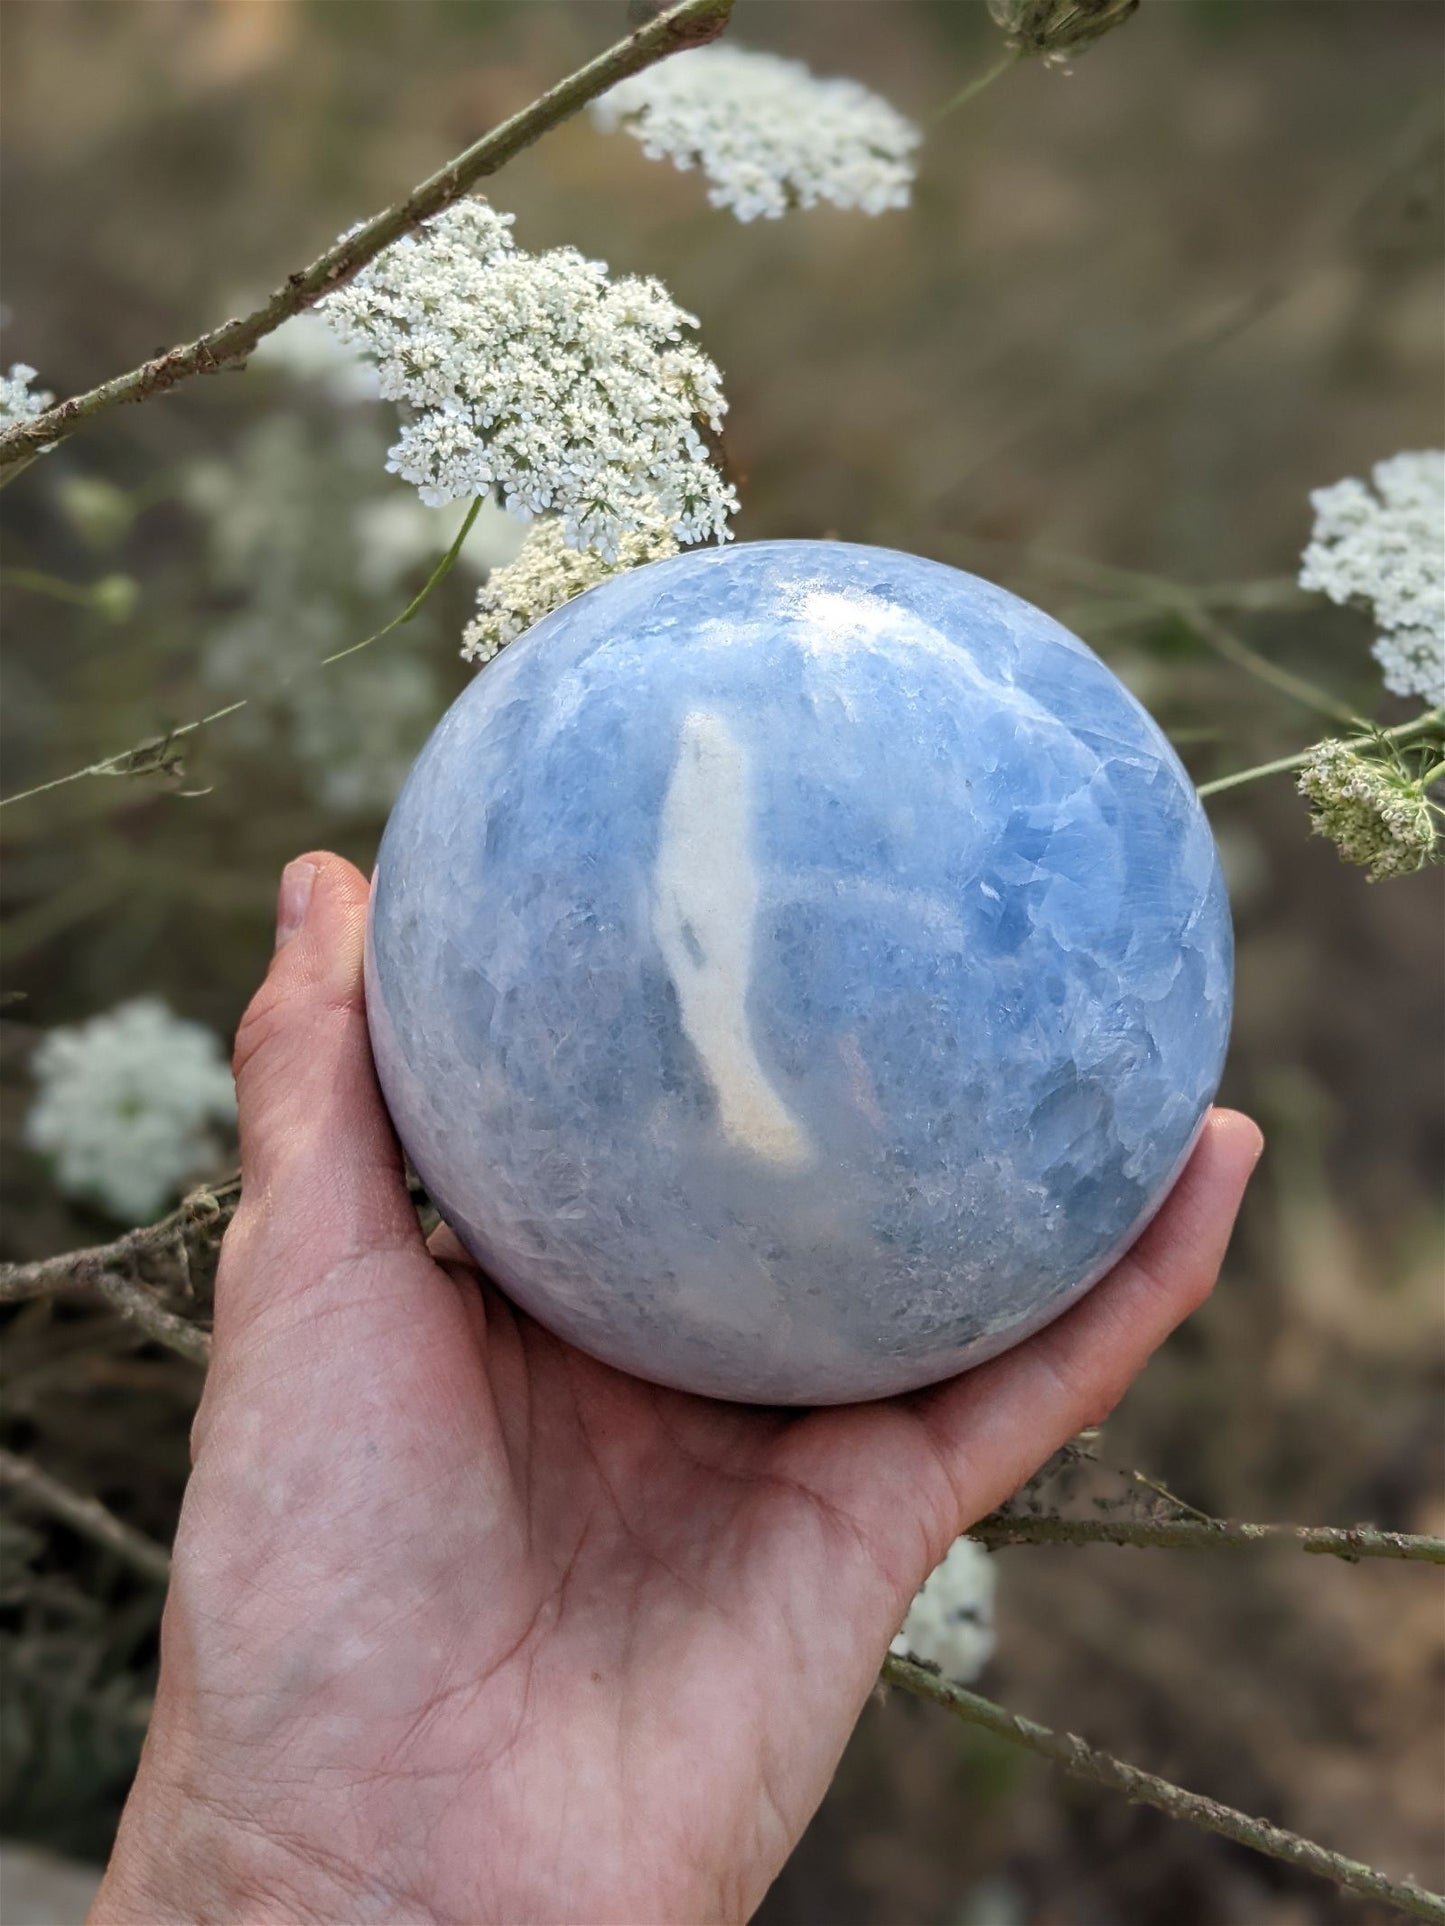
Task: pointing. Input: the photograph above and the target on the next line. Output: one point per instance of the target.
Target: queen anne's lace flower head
(1386, 548)
(767, 133)
(569, 393)
(128, 1106)
(1375, 811)
(545, 574)
(19, 400)
(950, 1623)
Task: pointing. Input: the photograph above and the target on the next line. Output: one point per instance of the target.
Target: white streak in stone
(704, 909)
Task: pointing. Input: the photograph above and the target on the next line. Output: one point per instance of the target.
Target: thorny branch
(176, 1255)
(1350, 1542)
(687, 25)
(120, 1272)
(1087, 1762)
(212, 1207)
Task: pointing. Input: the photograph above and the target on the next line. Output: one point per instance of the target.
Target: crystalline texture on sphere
(798, 971)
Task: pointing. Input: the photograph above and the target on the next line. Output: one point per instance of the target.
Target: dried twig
(86, 1515)
(1350, 1542)
(138, 1306)
(116, 1271)
(211, 1207)
(129, 1273)
(1143, 1788)
(686, 25)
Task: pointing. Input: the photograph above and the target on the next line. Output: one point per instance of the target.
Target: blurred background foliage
(1135, 314)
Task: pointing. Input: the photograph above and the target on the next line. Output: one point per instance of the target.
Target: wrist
(183, 1859)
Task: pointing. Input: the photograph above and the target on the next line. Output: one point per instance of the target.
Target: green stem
(1233, 648)
(686, 25)
(443, 568)
(148, 757)
(1087, 1762)
(38, 583)
(1010, 58)
(1421, 726)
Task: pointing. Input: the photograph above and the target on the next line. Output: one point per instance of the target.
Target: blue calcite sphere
(798, 971)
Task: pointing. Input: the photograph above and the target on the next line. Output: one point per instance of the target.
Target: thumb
(322, 1177)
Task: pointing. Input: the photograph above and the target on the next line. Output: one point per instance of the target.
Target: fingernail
(297, 882)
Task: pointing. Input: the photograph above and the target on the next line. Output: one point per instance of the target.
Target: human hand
(465, 1626)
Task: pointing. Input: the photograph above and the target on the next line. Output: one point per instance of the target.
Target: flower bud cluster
(545, 574)
(1374, 809)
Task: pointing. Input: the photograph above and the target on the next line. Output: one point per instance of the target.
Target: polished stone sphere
(797, 971)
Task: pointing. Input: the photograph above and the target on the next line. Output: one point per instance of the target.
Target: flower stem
(1406, 732)
(1234, 649)
(1009, 58)
(154, 754)
(443, 568)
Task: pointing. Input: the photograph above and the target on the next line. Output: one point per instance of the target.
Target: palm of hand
(477, 1589)
(467, 1626)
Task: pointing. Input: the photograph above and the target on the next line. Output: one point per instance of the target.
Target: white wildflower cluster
(545, 574)
(1373, 809)
(130, 1106)
(767, 133)
(536, 375)
(1386, 547)
(19, 400)
(951, 1622)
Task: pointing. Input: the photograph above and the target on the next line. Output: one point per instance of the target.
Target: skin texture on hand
(464, 1626)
